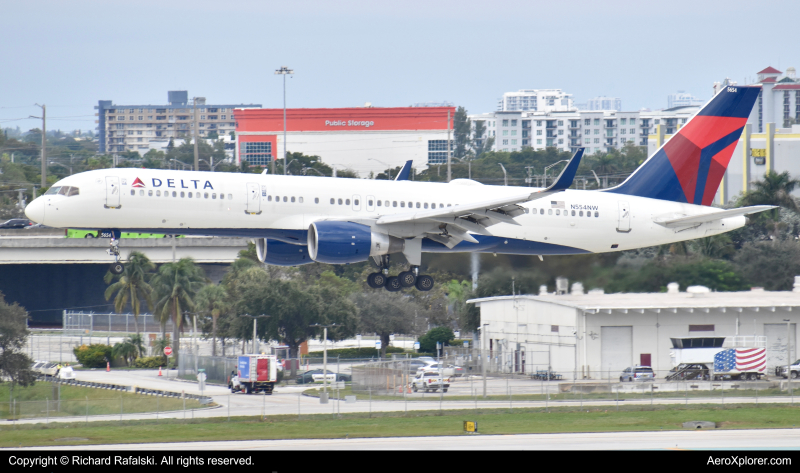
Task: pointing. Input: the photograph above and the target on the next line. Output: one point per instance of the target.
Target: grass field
(46, 399)
(427, 423)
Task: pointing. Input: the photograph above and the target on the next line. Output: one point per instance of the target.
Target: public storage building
(598, 335)
(364, 139)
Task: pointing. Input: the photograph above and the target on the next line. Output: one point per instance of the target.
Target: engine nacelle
(279, 253)
(336, 242)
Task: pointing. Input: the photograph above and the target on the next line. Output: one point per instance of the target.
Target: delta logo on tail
(137, 183)
(690, 166)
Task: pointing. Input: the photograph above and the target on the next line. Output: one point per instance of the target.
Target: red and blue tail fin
(689, 167)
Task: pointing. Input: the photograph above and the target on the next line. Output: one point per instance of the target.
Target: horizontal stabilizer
(710, 217)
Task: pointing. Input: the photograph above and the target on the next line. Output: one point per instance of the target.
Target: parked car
(430, 382)
(640, 373)
(447, 370)
(795, 367)
(37, 225)
(314, 376)
(16, 223)
(413, 365)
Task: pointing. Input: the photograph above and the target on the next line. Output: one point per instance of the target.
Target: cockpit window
(63, 190)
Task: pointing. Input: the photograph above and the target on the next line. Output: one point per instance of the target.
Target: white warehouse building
(596, 336)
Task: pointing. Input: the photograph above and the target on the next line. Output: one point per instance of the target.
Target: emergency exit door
(624, 222)
(112, 192)
(253, 199)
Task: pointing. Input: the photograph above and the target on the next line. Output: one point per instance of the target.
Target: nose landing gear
(116, 266)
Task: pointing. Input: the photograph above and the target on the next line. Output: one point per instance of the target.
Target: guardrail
(132, 389)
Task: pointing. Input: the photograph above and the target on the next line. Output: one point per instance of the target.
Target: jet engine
(335, 242)
(279, 253)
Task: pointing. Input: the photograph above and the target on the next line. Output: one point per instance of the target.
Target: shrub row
(93, 356)
(150, 362)
(364, 352)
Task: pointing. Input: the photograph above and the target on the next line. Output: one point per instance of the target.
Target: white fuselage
(257, 205)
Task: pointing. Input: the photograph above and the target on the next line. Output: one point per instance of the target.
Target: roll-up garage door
(616, 348)
(776, 345)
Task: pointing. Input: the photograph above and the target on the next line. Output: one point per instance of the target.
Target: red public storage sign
(344, 119)
(167, 351)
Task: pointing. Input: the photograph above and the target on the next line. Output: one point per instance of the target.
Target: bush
(428, 341)
(93, 356)
(365, 352)
(150, 362)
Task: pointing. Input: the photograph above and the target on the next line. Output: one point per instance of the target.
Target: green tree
(385, 313)
(212, 302)
(131, 286)
(176, 285)
(772, 265)
(427, 342)
(468, 314)
(774, 189)
(15, 365)
(462, 128)
(128, 350)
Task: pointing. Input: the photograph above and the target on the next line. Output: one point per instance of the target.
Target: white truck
(255, 373)
(429, 381)
(795, 370)
(749, 363)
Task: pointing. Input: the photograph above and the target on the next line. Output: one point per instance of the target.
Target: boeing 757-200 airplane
(296, 220)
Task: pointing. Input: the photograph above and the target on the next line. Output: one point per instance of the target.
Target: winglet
(568, 174)
(404, 173)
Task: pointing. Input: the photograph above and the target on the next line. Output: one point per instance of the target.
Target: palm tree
(212, 299)
(176, 285)
(131, 286)
(126, 350)
(774, 189)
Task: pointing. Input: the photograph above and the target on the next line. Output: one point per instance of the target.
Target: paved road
(680, 440)
(290, 401)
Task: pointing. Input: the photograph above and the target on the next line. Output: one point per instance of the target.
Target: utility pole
(44, 145)
(196, 151)
(448, 147)
(283, 71)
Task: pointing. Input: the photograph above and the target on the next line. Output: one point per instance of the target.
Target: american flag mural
(741, 359)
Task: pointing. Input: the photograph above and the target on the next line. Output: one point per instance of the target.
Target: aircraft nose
(35, 210)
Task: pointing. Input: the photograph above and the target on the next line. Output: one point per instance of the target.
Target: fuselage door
(113, 192)
(356, 202)
(624, 222)
(253, 199)
(370, 203)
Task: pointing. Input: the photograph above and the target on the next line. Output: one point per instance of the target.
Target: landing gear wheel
(393, 284)
(424, 283)
(376, 280)
(407, 279)
(117, 268)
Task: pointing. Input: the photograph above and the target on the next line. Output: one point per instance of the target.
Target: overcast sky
(69, 55)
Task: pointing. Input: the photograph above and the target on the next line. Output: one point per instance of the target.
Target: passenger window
(333, 201)
(150, 193)
(292, 199)
(230, 197)
(394, 203)
(573, 213)
(386, 203)
(347, 202)
(221, 196)
(183, 194)
(558, 212)
(133, 191)
(285, 199)
(190, 195)
(269, 198)
(580, 214)
(426, 205)
(205, 195)
(596, 213)
(301, 200)
(355, 202)
(340, 201)
(402, 203)
(158, 193)
(541, 211)
(533, 211)
(418, 205)
(213, 195)
(549, 211)
(316, 200)
(448, 205)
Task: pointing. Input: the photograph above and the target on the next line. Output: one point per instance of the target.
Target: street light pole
(788, 351)
(255, 317)
(505, 175)
(44, 144)
(324, 357)
(283, 71)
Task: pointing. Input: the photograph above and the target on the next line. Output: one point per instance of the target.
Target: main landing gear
(116, 266)
(402, 281)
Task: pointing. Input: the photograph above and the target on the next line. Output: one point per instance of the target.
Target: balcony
(551, 124)
(610, 124)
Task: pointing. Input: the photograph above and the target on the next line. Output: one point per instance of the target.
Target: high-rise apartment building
(683, 99)
(536, 100)
(133, 127)
(602, 103)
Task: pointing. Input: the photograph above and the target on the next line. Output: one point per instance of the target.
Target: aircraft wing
(405, 172)
(475, 217)
(710, 217)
